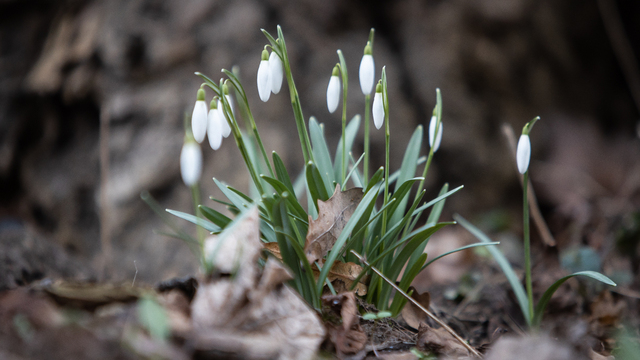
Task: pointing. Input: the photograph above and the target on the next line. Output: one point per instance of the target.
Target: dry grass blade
(417, 304)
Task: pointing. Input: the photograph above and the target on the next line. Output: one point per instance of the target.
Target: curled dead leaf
(411, 313)
(439, 341)
(333, 215)
(348, 337)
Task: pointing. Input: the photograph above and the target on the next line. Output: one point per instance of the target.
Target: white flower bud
(264, 77)
(199, 118)
(523, 153)
(333, 90)
(190, 163)
(367, 71)
(378, 107)
(214, 128)
(276, 72)
(432, 130)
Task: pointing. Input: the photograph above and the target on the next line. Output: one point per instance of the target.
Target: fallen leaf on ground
(411, 313)
(348, 337)
(439, 341)
(251, 314)
(333, 215)
(530, 348)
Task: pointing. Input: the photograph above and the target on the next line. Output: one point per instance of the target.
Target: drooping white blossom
(432, 130)
(190, 163)
(378, 107)
(199, 117)
(333, 90)
(523, 153)
(214, 126)
(276, 72)
(367, 71)
(264, 77)
(226, 129)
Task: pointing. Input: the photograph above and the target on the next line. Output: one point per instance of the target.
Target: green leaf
(350, 135)
(281, 172)
(458, 249)
(354, 170)
(375, 179)
(502, 261)
(433, 218)
(214, 216)
(544, 300)
(407, 278)
(315, 184)
(321, 154)
(292, 202)
(209, 226)
(436, 200)
(154, 318)
(407, 171)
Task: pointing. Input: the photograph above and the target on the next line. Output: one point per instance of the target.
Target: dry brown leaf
(439, 341)
(333, 215)
(411, 313)
(341, 274)
(252, 314)
(349, 338)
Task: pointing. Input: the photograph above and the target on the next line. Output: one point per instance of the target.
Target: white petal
(190, 163)
(276, 72)
(233, 109)
(264, 80)
(214, 129)
(378, 110)
(199, 121)
(432, 130)
(523, 153)
(333, 93)
(367, 74)
(226, 129)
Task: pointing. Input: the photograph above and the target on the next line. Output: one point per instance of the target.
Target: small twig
(538, 220)
(105, 228)
(136, 274)
(414, 302)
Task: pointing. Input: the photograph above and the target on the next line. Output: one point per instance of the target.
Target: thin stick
(536, 215)
(414, 302)
(105, 228)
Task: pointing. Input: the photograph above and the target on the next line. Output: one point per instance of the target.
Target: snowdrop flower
(190, 162)
(367, 71)
(226, 129)
(432, 136)
(214, 126)
(523, 153)
(378, 107)
(264, 77)
(333, 90)
(276, 72)
(199, 117)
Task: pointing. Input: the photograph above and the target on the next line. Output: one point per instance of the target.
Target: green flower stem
(385, 104)
(414, 221)
(527, 243)
(367, 115)
(345, 83)
(195, 196)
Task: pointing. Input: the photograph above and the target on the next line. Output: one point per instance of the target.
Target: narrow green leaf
(209, 226)
(281, 172)
(407, 278)
(502, 261)
(407, 171)
(321, 154)
(350, 135)
(436, 200)
(544, 300)
(458, 249)
(214, 216)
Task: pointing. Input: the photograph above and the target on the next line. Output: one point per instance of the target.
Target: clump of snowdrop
(199, 117)
(367, 71)
(333, 90)
(378, 107)
(264, 77)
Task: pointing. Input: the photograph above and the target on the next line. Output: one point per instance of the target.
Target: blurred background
(77, 74)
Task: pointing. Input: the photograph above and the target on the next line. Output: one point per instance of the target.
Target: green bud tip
(225, 88)
(379, 86)
(201, 94)
(265, 54)
(367, 49)
(214, 104)
(336, 70)
(528, 126)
